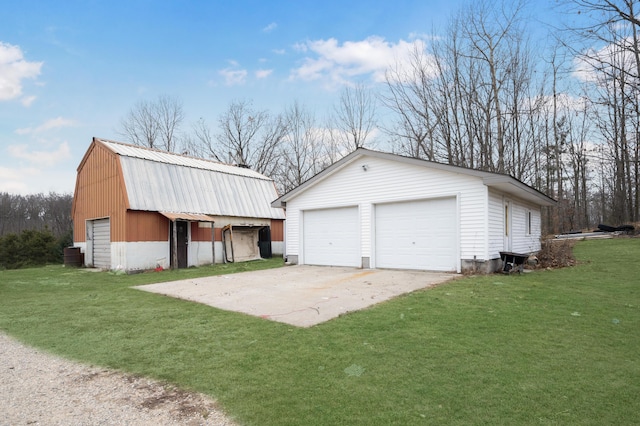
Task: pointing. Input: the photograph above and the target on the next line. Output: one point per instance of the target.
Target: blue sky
(71, 70)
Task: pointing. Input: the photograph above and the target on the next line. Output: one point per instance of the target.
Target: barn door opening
(179, 231)
(264, 242)
(241, 243)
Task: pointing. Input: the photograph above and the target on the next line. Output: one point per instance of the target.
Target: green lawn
(550, 347)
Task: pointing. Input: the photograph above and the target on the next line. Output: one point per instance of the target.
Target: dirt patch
(556, 254)
(42, 389)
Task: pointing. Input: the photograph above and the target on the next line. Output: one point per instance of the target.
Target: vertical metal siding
(99, 193)
(146, 226)
(200, 234)
(277, 230)
(150, 186)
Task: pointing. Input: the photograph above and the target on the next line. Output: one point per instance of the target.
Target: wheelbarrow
(512, 262)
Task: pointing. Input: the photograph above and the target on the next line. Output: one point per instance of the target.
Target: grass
(550, 347)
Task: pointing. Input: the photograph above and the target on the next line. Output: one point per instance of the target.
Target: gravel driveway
(41, 389)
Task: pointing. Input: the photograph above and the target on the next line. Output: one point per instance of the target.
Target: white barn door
(417, 234)
(102, 244)
(331, 237)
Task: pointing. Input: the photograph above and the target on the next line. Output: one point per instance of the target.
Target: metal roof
(164, 182)
(127, 150)
(187, 217)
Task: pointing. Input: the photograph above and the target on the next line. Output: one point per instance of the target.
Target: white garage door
(331, 237)
(101, 244)
(416, 235)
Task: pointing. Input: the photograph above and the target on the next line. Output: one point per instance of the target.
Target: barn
(378, 210)
(136, 208)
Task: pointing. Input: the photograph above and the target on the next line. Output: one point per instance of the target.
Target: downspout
(213, 243)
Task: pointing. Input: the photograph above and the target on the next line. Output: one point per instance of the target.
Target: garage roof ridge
(501, 181)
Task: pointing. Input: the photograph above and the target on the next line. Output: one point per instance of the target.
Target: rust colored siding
(218, 234)
(277, 230)
(99, 193)
(146, 226)
(200, 234)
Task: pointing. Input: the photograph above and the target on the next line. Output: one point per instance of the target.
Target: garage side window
(529, 215)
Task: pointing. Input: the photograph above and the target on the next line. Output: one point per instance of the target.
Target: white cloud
(33, 180)
(585, 68)
(30, 169)
(233, 77)
(28, 100)
(272, 26)
(14, 180)
(54, 123)
(263, 73)
(41, 158)
(279, 51)
(337, 63)
(13, 70)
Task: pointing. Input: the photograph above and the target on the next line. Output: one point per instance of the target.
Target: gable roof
(501, 182)
(166, 182)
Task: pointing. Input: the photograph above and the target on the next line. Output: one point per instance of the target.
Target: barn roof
(166, 182)
(502, 182)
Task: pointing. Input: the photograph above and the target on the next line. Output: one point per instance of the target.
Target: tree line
(34, 229)
(482, 95)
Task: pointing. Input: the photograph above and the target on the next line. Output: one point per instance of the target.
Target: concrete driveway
(299, 295)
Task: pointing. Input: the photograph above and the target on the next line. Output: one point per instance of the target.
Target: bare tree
(354, 117)
(247, 137)
(609, 46)
(154, 124)
(301, 151)
(408, 96)
(170, 115)
(464, 101)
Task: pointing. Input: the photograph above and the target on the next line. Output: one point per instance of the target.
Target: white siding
(144, 255)
(199, 253)
(521, 241)
(131, 256)
(496, 225)
(387, 181)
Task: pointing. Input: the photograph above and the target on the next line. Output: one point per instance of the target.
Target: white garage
(331, 237)
(416, 235)
(409, 213)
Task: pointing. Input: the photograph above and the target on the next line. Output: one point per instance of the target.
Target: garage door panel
(102, 243)
(416, 235)
(331, 237)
